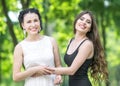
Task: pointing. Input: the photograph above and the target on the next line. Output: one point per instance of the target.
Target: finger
(45, 73)
(50, 69)
(61, 81)
(56, 81)
(48, 72)
(33, 75)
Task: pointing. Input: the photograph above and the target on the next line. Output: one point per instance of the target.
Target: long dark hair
(98, 67)
(29, 10)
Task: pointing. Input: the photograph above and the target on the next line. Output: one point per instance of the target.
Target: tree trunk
(46, 7)
(9, 23)
(104, 37)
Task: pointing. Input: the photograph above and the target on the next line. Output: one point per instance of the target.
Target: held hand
(58, 80)
(41, 70)
(52, 70)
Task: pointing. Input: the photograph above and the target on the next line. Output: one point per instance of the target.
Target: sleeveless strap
(78, 46)
(69, 43)
(82, 42)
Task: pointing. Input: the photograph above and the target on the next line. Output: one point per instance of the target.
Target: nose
(33, 24)
(84, 22)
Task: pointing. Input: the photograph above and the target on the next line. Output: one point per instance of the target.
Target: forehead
(30, 15)
(87, 16)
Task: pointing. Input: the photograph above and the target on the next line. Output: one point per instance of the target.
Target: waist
(78, 76)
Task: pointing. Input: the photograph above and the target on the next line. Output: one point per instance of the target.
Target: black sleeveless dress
(80, 78)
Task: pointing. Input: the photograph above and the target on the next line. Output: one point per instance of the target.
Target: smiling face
(83, 24)
(31, 23)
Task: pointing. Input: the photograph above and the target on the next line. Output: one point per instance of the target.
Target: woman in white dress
(35, 52)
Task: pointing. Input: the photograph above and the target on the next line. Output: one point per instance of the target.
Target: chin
(34, 33)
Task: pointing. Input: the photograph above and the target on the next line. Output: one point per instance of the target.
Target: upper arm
(56, 52)
(85, 51)
(18, 58)
(19, 75)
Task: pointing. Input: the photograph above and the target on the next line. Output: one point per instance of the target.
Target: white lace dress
(38, 53)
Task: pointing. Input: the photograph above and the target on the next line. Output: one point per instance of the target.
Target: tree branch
(25, 3)
(9, 22)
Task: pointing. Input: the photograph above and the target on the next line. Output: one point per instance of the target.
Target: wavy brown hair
(98, 68)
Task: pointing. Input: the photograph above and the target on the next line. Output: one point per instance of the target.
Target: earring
(24, 31)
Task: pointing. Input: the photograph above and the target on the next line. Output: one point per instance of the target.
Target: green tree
(58, 17)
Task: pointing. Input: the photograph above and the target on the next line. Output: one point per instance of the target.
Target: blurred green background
(58, 17)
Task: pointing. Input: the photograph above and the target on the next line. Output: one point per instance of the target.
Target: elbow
(72, 72)
(16, 79)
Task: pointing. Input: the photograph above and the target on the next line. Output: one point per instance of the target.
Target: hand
(52, 70)
(58, 80)
(41, 70)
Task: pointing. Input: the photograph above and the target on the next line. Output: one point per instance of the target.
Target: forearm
(23, 75)
(64, 71)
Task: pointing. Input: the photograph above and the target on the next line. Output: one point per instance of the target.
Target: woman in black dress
(84, 52)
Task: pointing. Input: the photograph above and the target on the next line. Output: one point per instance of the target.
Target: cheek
(76, 26)
(23, 26)
(26, 26)
(89, 27)
(37, 23)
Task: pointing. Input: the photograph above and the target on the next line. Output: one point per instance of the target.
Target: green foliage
(58, 17)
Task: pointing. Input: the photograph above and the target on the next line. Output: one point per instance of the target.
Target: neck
(33, 38)
(80, 37)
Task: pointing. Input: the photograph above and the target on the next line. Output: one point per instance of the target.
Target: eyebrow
(84, 18)
(89, 20)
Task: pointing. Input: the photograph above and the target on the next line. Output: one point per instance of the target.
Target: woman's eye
(89, 22)
(81, 18)
(35, 20)
(28, 21)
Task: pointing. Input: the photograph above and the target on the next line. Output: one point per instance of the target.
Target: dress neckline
(34, 41)
(76, 48)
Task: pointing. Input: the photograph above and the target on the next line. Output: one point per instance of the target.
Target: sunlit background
(58, 17)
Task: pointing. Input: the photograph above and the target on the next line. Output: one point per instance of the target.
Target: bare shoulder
(52, 39)
(88, 44)
(18, 48)
(87, 48)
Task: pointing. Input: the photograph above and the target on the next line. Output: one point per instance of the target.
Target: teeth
(81, 26)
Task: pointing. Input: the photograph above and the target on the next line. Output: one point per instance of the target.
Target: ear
(22, 24)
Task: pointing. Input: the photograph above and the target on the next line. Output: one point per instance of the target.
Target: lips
(33, 29)
(81, 26)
